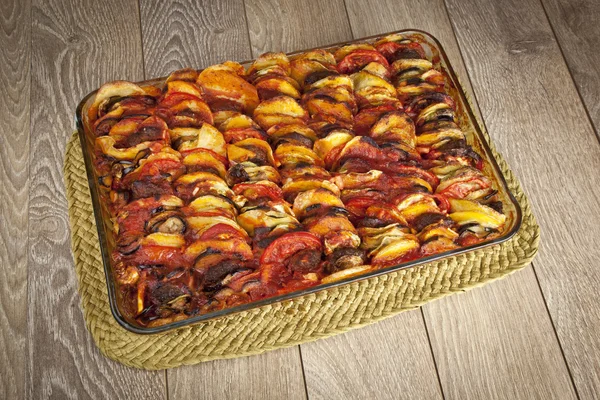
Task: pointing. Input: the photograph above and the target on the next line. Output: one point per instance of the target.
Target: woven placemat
(288, 323)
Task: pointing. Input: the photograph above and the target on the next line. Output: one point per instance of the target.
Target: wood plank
(575, 24)
(15, 50)
(76, 47)
(468, 313)
(290, 25)
(272, 375)
(534, 114)
(365, 363)
(387, 360)
(498, 343)
(179, 34)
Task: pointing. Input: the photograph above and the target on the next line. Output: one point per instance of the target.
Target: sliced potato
(327, 226)
(208, 137)
(438, 138)
(256, 218)
(270, 59)
(211, 202)
(320, 196)
(280, 131)
(223, 81)
(468, 212)
(395, 126)
(347, 273)
(245, 150)
(164, 239)
(238, 121)
(111, 90)
(335, 138)
(277, 86)
(345, 50)
(182, 87)
(391, 250)
(107, 145)
(280, 110)
(291, 154)
(186, 74)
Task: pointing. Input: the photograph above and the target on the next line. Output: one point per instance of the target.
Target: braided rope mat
(288, 323)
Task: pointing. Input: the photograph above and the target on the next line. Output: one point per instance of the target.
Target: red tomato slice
(460, 190)
(356, 60)
(156, 255)
(389, 49)
(253, 191)
(358, 205)
(176, 98)
(238, 134)
(385, 212)
(333, 154)
(219, 229)
(287, 245)
(442, 202)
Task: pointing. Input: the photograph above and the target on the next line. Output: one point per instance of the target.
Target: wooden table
(534, 70)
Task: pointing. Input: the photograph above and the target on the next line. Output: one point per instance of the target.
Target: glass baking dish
(466, 120)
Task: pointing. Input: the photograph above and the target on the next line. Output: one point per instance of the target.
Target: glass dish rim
(101, 227)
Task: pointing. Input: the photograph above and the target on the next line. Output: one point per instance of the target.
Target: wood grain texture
(272, 375)
(337, 367)
(388, 360)
(498, 343)
(291, 25)
(15, 50)
(179, 34)
(575, 23)
(534, 114)
(77, 46)
(487, 313)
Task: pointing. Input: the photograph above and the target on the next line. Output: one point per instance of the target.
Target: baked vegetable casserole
(230, 185)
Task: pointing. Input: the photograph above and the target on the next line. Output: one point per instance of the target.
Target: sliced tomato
(298, 284)
(238, 281)
(385, 212)
(364, 149)
(176, 98)
(287, 245)
(253, 191)
(460, 190)
(274, 275)
(156, 255)
(359, 204)
(391, 49)
(333, 155)
(238, 134)
(479, 164)
(356, 60)
(218, 231)
(442, 202)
